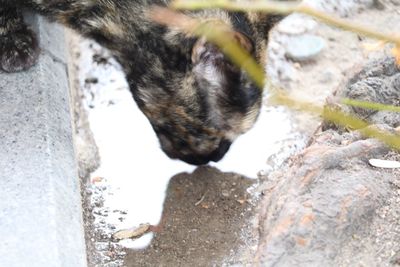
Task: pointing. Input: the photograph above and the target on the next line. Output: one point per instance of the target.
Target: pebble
(225, 193)
(387, 164)
(304, 47)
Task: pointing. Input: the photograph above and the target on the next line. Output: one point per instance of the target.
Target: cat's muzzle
(194, 159)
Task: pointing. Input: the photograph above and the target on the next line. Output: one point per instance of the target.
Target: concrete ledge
(40, 204)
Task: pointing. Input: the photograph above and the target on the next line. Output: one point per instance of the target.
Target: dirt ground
(206, 221)
(210, 218)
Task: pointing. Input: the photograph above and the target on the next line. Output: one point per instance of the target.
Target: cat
(196, 100)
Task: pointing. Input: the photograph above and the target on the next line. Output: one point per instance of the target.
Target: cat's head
(197, 101)
(200, 111)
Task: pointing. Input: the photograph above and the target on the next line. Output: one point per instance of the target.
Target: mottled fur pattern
(18, 45)
(197, 101)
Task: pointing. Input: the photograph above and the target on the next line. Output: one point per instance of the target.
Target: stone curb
(40, 202)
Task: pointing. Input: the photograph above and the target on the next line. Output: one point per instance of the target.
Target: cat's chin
(196, 159)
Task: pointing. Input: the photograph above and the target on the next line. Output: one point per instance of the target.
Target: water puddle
(129, 187)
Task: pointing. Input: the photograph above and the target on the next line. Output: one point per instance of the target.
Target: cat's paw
(18, 51)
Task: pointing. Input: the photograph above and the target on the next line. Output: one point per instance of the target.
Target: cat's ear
(202, 48)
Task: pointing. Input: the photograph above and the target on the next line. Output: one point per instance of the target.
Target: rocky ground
(329, 206)
(324, 206)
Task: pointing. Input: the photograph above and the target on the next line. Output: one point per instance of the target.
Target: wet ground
(206, 221)
(136, 183)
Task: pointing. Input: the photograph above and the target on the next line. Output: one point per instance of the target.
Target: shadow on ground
(206, 221)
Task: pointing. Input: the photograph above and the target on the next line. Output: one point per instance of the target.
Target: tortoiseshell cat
(197, 101)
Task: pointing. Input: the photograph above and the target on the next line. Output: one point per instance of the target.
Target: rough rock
(87, 154)
(378, 82)
(327, 206)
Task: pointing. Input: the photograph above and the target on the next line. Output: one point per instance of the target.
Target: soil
(206, 221)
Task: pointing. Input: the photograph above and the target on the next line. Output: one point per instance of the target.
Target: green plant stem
(285, 8)
(370, 105)
(220, 35)
(338, 117)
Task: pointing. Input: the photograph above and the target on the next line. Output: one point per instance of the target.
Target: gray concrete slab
(40, 204)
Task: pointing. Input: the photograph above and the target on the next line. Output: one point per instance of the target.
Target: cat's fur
(197, 105)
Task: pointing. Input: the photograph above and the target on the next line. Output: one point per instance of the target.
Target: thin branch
(338, 117)
(221, 35)
(285, 8)
(370, 105)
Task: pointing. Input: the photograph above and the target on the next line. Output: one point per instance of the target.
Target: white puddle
(135, 171)
(249, 154)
